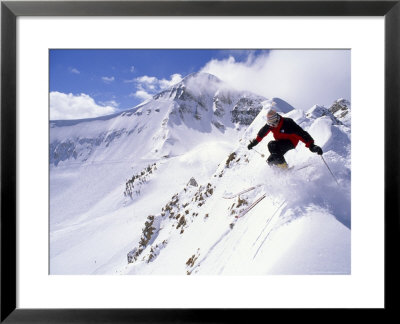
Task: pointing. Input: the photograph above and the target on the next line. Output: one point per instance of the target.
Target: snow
(303, 226)
(321, 244)
(322, 130)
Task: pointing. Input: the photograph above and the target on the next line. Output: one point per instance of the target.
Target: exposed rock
(245, 110)
(193, 182)
(320, 111)
(341, 109)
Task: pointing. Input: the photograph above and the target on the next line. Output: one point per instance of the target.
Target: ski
(245, 211)
(241, 192)
(294, 168)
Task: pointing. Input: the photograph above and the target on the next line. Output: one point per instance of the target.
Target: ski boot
(283, 166)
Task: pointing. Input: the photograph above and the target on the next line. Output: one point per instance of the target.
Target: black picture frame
(10, 10)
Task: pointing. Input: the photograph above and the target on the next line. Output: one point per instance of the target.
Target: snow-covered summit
(177, 118)
(339, 112)
(201, 77)
(194, 83)
(281, 105)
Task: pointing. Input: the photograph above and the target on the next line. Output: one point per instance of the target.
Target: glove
(252, 144)
(316, 149)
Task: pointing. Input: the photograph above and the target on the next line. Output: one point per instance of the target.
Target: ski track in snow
(265, 227)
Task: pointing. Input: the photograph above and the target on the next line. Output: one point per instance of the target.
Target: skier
(287, 135)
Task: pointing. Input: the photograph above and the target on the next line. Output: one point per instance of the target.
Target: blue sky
(89, 83)
(110, 74)
(124, 78)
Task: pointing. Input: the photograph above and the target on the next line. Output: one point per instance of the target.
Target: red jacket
(286, 129)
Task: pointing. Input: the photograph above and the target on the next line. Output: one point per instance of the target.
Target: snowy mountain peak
(339, 112)
(201, 77)
(192, 85)
(317, 111)
(182, 116)
(281, 105)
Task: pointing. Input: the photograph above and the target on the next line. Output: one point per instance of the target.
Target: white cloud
(111, 103)
(74, 71)
(148, 86)
(175, 78)
(108, 79)
(301, 77)
(141, 94)
(146, 80)
(132, 69)
(69, 106)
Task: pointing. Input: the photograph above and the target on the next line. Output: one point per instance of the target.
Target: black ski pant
(277, 150)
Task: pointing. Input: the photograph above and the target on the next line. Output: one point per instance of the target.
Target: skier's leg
(275, 159)
(280, 147)
(277, 150)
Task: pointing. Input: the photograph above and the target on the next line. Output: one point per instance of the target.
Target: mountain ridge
(200, 102)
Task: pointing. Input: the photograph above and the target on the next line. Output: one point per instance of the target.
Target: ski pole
(329, 170)
(262, 155)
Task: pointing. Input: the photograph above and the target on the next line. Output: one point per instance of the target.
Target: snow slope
(301, 227)
(121, 199)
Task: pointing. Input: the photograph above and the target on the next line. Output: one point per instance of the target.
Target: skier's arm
(303, 135)
(260, 135)
(307, 139)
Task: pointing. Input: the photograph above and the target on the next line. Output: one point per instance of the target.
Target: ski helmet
(272, 118)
